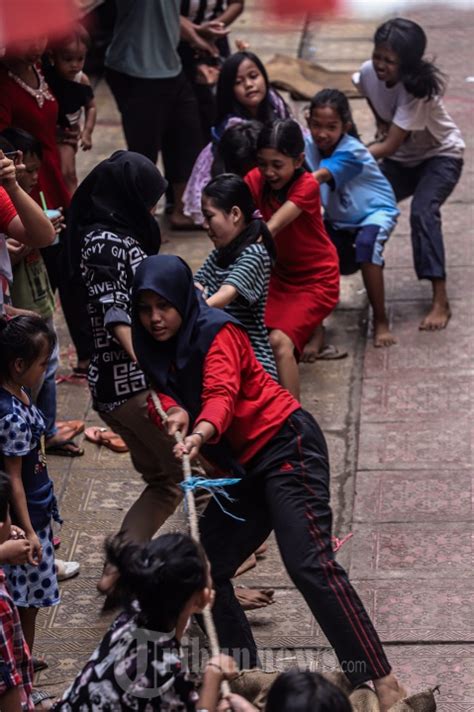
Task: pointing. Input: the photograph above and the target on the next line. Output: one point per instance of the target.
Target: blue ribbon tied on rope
(215, 487)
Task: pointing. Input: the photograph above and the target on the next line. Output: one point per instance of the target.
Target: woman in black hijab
(112, 230)
(217, 394)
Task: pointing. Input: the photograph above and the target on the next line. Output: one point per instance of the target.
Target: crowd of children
(288, 210)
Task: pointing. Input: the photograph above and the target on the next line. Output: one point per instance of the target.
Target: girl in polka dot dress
(26, 343)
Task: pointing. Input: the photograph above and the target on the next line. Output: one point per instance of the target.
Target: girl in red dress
(304, 285)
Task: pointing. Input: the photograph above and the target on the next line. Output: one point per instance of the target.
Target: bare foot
(389, 691)
(382, 335)
(437, 318)
(261, 552)
(248, 564)
(252, 598)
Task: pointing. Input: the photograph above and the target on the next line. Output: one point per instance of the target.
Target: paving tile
(402, 285)
(414, 611)
(288, 623)
(412, 550)
(426, 666)
(424, 446)
(409, 397)
(414, 496)
(398, 252)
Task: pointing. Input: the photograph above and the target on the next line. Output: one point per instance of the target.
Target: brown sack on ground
(303, 79)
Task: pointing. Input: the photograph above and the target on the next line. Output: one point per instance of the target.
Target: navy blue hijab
(175, 367)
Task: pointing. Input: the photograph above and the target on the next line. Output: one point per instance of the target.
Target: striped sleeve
(250, 274)
(206, 273)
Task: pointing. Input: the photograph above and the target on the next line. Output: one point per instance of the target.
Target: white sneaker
(66, 569)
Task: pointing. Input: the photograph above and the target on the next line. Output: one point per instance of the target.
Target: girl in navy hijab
(215, 392)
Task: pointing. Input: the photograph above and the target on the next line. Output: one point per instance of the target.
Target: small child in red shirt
(16, 670)
(304, 285)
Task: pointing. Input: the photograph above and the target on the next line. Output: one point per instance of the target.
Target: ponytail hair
(228, 190)
(285, 136)
(22, 337)
(339, 103)
(407, 39)
(161, 574)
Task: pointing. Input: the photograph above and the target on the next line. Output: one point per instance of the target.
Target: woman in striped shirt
(236, 274)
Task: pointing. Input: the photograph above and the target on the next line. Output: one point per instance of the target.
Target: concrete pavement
(397, 424)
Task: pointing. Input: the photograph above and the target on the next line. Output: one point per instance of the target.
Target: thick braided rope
(194, 531)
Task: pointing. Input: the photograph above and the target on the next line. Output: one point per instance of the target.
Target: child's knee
(280, 343)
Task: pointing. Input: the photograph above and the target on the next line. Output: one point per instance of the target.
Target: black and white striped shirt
(199, 11)
(250, 275)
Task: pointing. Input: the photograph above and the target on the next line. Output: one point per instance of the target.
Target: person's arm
(12, 466)
(90, 118)
(190, 35)
(10, 701)
(220, 389)
(14, 551)
(225, 295)
(221, 667)
(231, 13)
(30, 226)
(394, 139)
(283, 217)
(17, 251)
(322, 175)
(123, 334)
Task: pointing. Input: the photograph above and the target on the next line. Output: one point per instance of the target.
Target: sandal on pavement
(73, 427)
(39, 664)
(107, 438)
(330, 353)
(39, 696)
(65, 448)
(66, 569)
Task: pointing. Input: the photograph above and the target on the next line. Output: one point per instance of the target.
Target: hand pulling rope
(194, 531)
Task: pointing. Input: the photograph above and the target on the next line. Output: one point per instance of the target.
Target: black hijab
(175, 367)
(116, 196)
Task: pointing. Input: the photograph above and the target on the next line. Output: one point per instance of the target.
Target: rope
(194, 531)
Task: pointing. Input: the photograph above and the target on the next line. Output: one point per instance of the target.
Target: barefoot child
(304, 285)
(26, 343)
(236, 274)
(73, 92)
(139, 663)
(222, 401)
(359, 204)
(421, 146)
(243, 93)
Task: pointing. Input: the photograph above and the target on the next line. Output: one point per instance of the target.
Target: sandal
(65, 448)
(39, 696)
(73, 427)
(39, 664)
(330, 353)
(107, 438)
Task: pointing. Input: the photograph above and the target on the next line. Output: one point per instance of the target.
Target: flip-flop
(39, 664)
(330, 353)
(74, 426)
(61, 449)
(107, 438)
(39, 696)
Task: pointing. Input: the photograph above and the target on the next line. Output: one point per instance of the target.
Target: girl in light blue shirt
(359, 203)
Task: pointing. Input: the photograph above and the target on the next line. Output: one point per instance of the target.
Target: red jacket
(239, 398)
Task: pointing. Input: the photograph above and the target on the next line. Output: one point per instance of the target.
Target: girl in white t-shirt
(421, 146)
